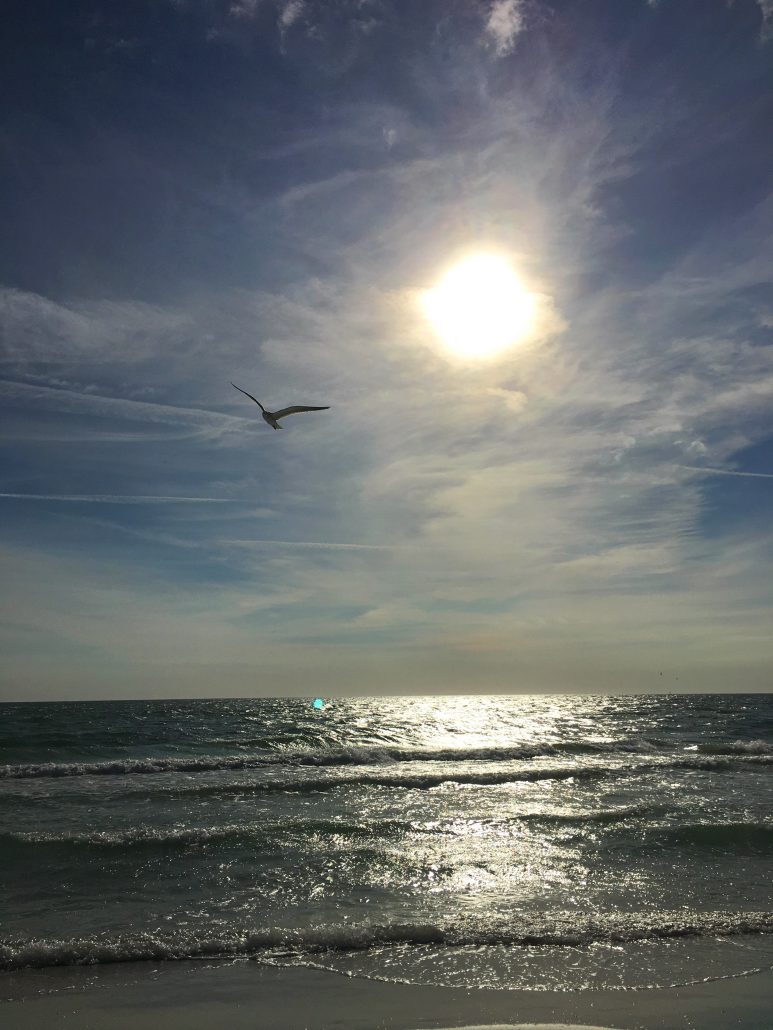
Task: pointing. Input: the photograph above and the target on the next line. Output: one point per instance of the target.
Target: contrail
(309, 543)
(73, 402)
(727, 472)
(115, 498)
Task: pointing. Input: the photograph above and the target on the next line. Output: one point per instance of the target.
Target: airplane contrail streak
(114, 498)
(726, 472)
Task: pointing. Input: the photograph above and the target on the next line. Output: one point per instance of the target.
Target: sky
(200, 192)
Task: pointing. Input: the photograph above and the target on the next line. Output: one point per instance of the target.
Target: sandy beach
(244, 995)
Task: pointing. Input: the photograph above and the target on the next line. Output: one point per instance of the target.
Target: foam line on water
(568, 930)
(531, 1026)
(227, 763)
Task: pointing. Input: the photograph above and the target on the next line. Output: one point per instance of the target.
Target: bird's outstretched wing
(297, 408)
(248, 395)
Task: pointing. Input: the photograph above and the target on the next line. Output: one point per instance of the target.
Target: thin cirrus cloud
(505, 21)
(538, 520)
(766, 7)
(727, 472)
(75, 402)
(322, 544)
(113, 499)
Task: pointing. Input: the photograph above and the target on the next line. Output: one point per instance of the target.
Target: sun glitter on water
(479, 309)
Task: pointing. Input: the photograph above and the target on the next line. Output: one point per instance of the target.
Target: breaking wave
(731, 759)
(560, 932)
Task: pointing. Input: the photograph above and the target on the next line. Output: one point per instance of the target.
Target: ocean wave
(723, 757)
(736, 747)
(404, 781)
(177, 836)
(130, 766)
(721, 762)
(450, 778)
(185, 836)
(318, 758)
(567, 930)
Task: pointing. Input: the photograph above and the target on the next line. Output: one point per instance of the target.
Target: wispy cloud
(86, 402)
(505, 21)
(115, 498)
(727, 472)
(315, 544)
(290, 12)
(241, 8)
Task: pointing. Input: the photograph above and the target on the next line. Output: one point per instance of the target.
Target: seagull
(272, 417)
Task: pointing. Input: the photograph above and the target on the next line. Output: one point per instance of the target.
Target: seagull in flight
(272, 417)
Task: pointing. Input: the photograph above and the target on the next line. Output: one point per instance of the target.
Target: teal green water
(556, 842)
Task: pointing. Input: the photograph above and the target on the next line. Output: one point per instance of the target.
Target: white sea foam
(532, 1026)
(569, 931)
(729, 759)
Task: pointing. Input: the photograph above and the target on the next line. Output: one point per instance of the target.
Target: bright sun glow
(479, 308)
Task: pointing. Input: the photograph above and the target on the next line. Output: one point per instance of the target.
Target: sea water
(560, 842)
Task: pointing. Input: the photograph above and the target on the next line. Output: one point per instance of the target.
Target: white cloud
(505, 21)
(291, 11)
(36, 329)
(766, 7)
(244, 9)
(514, 400)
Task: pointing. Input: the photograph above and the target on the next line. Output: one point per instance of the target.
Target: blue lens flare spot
(318, 703)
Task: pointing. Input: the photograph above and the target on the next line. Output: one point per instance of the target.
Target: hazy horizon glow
(560, 481)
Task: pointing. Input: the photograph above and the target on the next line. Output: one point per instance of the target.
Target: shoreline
(190, 995)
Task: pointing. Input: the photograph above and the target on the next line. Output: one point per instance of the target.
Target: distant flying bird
(272, 417)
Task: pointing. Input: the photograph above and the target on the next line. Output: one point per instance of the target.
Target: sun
(479, 309)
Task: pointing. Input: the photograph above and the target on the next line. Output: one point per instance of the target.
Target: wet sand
(198, 995)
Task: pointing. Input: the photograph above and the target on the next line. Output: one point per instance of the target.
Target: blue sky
(200, 191)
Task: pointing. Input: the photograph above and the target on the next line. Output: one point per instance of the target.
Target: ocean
(539, 842)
